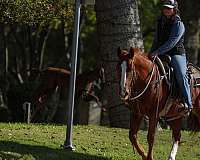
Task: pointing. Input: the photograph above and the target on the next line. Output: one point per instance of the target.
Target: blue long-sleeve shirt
(176, 33)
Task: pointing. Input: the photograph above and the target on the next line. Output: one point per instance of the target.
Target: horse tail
(194, 122)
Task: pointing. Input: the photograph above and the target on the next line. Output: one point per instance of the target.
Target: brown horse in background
(58, 78)
(145, 93)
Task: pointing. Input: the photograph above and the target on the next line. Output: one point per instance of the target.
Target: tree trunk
(192, 40)
(118, 25)
(43, 48)
(191, 16)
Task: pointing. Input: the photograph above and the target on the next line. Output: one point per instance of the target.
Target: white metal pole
(28, 112)
(68, 141)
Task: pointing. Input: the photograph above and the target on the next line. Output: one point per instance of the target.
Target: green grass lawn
(42, 142)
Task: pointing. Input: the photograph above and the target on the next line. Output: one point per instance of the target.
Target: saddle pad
(194, 74)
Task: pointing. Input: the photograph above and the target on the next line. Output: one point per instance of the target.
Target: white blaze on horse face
(172, 155)
(123, 77)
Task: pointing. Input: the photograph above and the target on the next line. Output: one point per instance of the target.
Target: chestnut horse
(52, 79)
(145, 93)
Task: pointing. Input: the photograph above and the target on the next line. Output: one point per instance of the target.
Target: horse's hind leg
(176, 136)
(134, 127)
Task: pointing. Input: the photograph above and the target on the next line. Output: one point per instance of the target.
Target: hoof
(170, 158)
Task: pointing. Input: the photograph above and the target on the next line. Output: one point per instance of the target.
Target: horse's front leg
(176, 136)
(134, 127)
(151, 135)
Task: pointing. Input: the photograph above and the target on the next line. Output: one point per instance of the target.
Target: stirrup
(183, 108)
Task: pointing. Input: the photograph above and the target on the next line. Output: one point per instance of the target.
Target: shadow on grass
(12, 150)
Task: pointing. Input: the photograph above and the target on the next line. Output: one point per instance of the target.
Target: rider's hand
(152, 56)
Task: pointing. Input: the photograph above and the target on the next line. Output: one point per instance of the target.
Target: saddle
(194, 75)
(166, 71)
(193, 72)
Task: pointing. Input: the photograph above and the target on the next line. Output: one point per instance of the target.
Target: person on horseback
(169, 40)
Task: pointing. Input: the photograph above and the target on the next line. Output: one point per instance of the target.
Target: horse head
(95, 81)
(123, 67)
(125, 70)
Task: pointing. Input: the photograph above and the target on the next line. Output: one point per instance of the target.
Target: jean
(179, 65)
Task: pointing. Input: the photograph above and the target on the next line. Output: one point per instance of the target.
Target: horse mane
(141, 56)
(142, 53)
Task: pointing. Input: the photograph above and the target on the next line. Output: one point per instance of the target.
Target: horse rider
(169, 40)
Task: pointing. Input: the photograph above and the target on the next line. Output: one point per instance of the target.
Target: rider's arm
(177, 32)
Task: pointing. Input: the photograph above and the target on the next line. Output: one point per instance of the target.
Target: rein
(146, 87)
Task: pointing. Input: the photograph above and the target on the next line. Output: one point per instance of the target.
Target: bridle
(133, 79)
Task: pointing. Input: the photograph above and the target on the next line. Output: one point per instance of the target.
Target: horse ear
(131, 52)
(118, 51)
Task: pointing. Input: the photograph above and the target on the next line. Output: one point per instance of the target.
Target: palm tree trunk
(191, 16)
(118, 25)
(192, 41)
